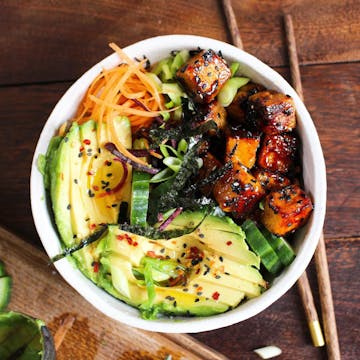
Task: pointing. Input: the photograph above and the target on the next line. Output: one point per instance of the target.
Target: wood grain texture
(40, 292)
(45, 40)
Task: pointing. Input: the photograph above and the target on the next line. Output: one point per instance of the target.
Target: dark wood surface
(46, 45)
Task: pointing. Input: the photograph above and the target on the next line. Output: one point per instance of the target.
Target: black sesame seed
(221, 258)
(197, 300)
(68, 207)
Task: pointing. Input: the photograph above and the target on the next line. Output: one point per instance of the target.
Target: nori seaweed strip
(84, 242)
(184, 131)
(155, 234)
(189, 167)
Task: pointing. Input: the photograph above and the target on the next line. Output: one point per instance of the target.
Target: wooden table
(46, 45)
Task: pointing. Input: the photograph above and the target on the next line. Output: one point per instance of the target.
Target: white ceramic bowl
(313, 172)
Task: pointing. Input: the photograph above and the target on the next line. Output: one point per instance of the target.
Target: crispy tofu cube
(277, 152)
(286, 210)
(215, 112)
(270, 180)
(241, 146)
(272, 111)
(203, 76)
(237, 191)
(237, 109)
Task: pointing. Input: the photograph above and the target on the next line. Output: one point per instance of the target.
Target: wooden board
(39, 291)
(45, 40)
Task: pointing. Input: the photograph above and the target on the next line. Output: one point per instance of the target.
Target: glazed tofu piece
(286, 210)
(241, 146)
(272, 111)
(238, 192)
(215, 112)
(277, 152)
(270, 180)
(203, 76)
(238, 108)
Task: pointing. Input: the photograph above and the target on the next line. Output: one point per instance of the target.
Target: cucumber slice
(261, 247)
(281, 247)
(5, 291)
(139, 198)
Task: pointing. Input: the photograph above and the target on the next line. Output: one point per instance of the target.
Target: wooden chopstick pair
(327, 307)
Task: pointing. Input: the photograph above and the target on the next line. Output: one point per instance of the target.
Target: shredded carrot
(125, 90)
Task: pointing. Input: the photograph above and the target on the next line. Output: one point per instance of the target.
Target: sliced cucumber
(261, 247)
(139, 198)
(5, 291)
(281, 247)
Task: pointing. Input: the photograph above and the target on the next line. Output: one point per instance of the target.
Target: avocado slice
(214, 266)
(86, 185)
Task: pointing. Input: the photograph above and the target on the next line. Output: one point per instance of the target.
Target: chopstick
(303, 282)
(232, 24)
(327, 306)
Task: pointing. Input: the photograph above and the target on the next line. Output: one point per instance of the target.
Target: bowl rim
(123, 312)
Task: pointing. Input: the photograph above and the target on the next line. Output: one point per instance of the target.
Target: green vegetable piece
(5, 292)
(280, 246)
(229, 90)
(180, 58)
(24, 338)
(234, 67)
(261, 247)
(139, 198)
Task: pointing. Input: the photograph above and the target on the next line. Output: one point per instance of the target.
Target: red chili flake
(229, 243)
(215, 295)
(87, 142)
(197, 271)
(151, 254)
(120, 237)
(90, 172)
(92, 226)
(96, 266)
(135, 243)
(129, 240)
(95, 187)
(81, 148)
(108, 163)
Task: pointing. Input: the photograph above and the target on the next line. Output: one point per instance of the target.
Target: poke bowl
(181, 255)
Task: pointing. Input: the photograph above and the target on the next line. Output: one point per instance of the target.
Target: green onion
(229, 90)
(234, 67)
